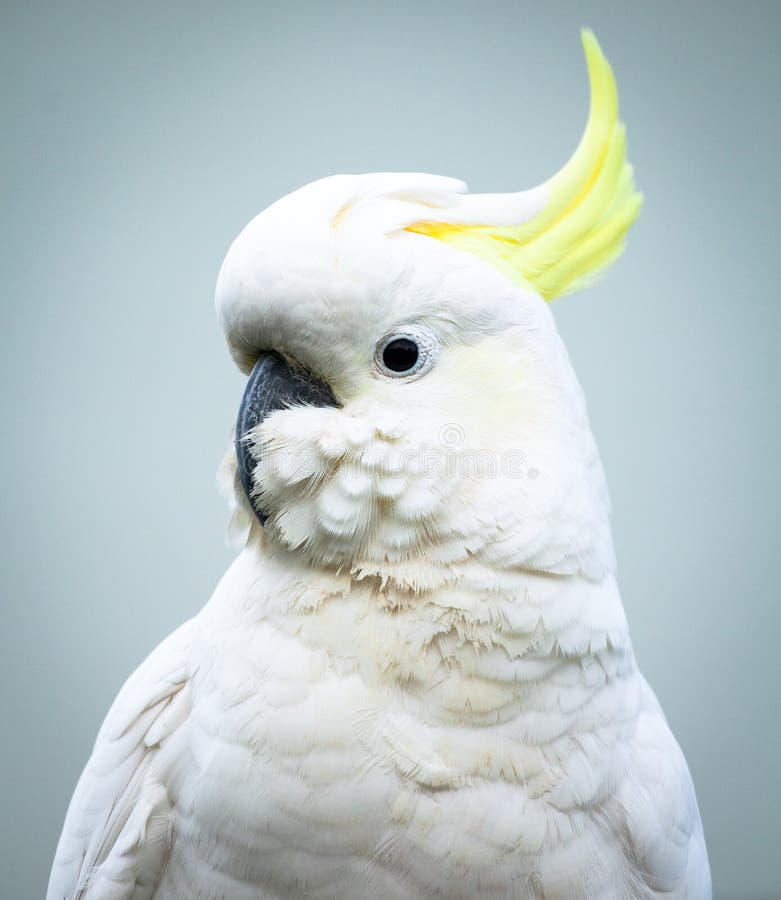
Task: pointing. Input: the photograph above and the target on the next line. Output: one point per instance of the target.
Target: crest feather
(569, 229)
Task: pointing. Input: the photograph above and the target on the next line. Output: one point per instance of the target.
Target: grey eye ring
(407, 352)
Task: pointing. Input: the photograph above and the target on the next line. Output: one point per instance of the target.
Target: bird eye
(400, 355)
(407, 352)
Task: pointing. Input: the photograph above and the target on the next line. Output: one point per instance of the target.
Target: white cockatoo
(416, 680)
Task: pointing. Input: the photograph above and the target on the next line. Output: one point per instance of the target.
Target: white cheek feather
(412, 482)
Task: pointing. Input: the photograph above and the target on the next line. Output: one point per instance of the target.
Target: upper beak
(273, 384)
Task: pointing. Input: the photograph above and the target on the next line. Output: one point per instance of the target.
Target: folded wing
(117, 829)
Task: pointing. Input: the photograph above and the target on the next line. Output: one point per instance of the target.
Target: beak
(273, 384)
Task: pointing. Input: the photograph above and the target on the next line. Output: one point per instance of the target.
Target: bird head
(410, 411)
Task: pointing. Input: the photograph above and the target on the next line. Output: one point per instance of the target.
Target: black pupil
(400, 355)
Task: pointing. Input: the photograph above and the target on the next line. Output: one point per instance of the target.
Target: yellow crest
(566, 231)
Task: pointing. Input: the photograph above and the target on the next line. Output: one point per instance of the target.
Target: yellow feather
(590, 205)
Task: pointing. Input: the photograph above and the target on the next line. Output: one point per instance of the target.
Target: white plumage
(417, 679)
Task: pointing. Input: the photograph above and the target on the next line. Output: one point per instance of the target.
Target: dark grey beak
(272, 385)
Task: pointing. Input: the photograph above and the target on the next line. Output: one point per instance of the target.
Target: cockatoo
(416, 680)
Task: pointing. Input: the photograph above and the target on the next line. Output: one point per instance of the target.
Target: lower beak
(273, 384)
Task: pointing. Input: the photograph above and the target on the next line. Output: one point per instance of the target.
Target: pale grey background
(139, 138)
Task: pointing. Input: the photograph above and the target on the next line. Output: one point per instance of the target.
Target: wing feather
(115, 832)
(665, 834)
